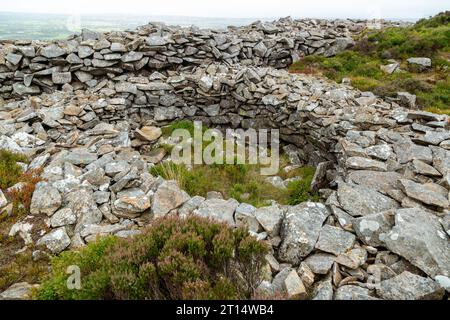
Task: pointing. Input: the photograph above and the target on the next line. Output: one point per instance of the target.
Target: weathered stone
(361, 201)
(352, 259)
(409, 286)
(52, 51)
(149, 133)
(131, 202)
(46, 200)
(294, 286)
(320, 263)
(334, 240)
(63, 218)
(219, 210)
(418, 237)
(300, 230)
(360, 163)
(423, 193)
(18, 291)
(270, 219)
(245, 217)
(168, 197)
(351, 292)
(55, 241)
(372, 228)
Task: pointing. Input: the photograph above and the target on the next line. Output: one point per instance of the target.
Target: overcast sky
(402, 9)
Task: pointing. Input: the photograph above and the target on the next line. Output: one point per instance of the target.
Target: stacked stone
(32, 67)
(384, 171)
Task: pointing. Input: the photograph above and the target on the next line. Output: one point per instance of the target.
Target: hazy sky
(403, 9)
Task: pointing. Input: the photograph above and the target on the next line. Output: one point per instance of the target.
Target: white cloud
(236, 8)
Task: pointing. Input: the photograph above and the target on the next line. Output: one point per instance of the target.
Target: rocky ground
(383, 170)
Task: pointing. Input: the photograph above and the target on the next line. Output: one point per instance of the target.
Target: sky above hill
(401, 9)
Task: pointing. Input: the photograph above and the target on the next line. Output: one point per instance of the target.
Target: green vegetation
(174, 258)
(427, 38)
(16, 267)
(242, 182)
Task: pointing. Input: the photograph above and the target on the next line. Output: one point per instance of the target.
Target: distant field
(44, 26)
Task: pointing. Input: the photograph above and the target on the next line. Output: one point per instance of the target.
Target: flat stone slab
(409, 286)
(335, 240)
(300, 230)
(418, 237)
(361, 201)
(423, 194)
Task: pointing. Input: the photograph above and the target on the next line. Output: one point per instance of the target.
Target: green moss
(173, 259)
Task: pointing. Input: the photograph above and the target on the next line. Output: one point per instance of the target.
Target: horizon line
(208, 17)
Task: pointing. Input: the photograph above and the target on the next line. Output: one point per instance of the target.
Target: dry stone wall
(383, 170)
(31, 67)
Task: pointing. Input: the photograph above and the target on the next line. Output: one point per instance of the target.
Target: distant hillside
(390, 50)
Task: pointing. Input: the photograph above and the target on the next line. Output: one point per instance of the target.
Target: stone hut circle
(77, 107)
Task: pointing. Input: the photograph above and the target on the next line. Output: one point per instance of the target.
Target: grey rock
(63, 218)
(361, 201)
(55, 241)
(52, 51)
(167, 197)
(419, 238)
(245, 217)
(351, 292)
(130, 203)
(300, 230)
(18, 291)
(270, 219)
(219, 210)
(46, 200)
(320, 263)
(334, 240)
(373, 228)
(409, 286)
(423, 193)
(359, 163)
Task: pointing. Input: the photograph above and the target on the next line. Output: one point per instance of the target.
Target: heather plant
(192, 258)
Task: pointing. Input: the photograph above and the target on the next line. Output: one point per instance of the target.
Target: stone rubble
(384, 169)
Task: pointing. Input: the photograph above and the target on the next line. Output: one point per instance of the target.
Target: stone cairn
(383, 170)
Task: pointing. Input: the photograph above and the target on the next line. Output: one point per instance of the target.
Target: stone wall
(30, 67)
(383, 170)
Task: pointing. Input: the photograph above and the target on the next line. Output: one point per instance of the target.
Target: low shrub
(174, 258)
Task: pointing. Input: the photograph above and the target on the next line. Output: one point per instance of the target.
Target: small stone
(18, 291)
(55, 241)
(334, 240)
(131, 203)
(300, 230)
(351, 292)
(270, 219)
(218, 209)
(352, 259)
(167, 197)
(46, 200)
(149, 133)
(294, 287)
(320, 263)
(359, 163)
(63, 218)
(245, 217)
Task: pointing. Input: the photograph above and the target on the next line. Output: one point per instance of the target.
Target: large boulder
(419, 237)
(300, 230)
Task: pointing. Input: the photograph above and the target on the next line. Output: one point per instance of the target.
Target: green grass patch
(173, 259)
(242, 182)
